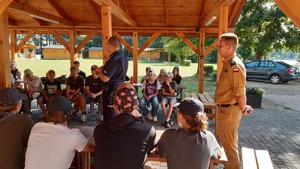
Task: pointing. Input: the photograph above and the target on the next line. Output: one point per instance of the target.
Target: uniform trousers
(227, 124)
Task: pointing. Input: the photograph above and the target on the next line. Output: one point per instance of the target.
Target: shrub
(186, 63)
(255, 91)
(208, 69)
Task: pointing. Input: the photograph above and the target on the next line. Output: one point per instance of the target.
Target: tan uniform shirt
(232, 81)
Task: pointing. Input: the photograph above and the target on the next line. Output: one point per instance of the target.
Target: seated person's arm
(87, 91)
(90, 147)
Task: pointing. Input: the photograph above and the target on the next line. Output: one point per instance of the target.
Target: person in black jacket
(124, 141)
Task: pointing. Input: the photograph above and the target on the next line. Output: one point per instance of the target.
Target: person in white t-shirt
(32, 84)
(52, 145)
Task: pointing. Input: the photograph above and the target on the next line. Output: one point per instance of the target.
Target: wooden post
(106, 30)
(4, 48)
(13, 44)
(135, 56)
(72, 47)
(201, 62)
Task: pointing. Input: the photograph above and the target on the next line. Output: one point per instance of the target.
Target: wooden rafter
(202, 11)
(215, 11)
(127, 46)
(34, 11)
(237, 9)
(94, 6)
(59, 10)
(189, 43)
(84, 41)
(125, 6)
(4, 4)
(291, 9)
(60, 40)
(118, 12)
(148, 42)
(23, 42)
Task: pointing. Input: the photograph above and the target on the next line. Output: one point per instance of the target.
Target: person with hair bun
(192, 145)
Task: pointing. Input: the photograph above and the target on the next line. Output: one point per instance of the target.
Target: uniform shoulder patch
(232, 63)
(235, 70)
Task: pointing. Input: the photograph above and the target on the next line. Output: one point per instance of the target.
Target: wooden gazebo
(153, 18)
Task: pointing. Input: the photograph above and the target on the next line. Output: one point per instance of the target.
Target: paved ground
(274, 127)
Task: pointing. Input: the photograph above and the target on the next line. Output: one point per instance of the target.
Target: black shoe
(170, 122)
(167, 124)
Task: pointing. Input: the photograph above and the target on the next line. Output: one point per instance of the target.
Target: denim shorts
(168, 99)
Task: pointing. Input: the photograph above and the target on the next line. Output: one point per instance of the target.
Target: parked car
(275, 71)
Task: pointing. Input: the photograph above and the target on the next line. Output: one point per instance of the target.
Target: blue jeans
(154, 103)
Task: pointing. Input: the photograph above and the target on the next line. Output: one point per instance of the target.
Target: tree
(178, 47)
(263, 28)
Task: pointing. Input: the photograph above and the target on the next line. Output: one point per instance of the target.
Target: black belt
(227, 105)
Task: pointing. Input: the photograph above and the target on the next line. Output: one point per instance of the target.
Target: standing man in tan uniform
(230, 98)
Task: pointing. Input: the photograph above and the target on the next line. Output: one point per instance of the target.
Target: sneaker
(42, 116)
(170, 122)
(166, 124)
(149, 116)
(155, 118)
(83, 118)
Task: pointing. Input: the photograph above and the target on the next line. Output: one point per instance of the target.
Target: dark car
(275, 71)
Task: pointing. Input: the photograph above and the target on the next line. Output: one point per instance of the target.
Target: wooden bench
(256, 159)
(208, 102)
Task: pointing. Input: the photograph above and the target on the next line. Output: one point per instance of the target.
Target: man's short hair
(114, 41)
(230, 37)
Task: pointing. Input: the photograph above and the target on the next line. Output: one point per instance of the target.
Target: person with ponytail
(191, 145)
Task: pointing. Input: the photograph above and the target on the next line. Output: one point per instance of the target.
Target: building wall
(56, 54)
(149, 55)
(95, 54)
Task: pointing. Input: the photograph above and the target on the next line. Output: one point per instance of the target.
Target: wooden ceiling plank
(4, 4)
(59, 10)
(94, 6)
(60, 39)
(127, 46)
(23, 42)
(188, 42)
(33, 11)
(125, 6)
(117, 11)
(84, 41)
(148, 42)
(215, 11)
(236, 10)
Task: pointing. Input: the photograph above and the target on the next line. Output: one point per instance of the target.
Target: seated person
(52, 145)
(74, 91)
(93, 86)
(14, 129)
(15, 70)
(161, 77)
(168, 91)
(146, 76)
(80, 72)
(124, 141)
(32, 84)
(151, 86)
(197, 144)
(52, 89)
(177, 78)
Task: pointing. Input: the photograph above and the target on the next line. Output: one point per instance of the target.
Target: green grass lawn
(190, 79)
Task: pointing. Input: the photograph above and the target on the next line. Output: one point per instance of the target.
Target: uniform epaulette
(232, 63)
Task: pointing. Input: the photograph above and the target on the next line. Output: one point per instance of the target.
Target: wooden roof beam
(59, 10)
(117, 11)
(127, 46)
(84, 41)
(215, 11)
(94, 6)
(189, 43)
(23, 42)
(36, 12)
(60, 39)
(291, 9)
(148, 42)
(4, 4)
(237, 9)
